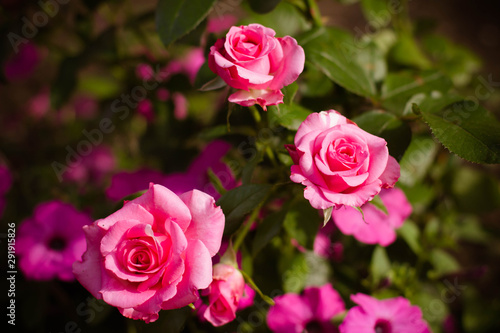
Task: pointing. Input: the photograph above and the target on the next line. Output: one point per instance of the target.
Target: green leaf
(302, 223)
(410, 232)
(239, 201)
(380, 265)
(471, 230)
(290, 91)
(215, 181)
(99, 86)
(247, 172)
(373, 62)
(65, 81)
(469, 131)
(288, 116)
(252, 284)
(327, 214)
(417, 160)
(175, 18)
(263, 6)
(295, 274)
(443, 263)
(456, 61)
(313, 83)
(475, 191)
(419, 195)
(407, 52)
(361, 212)
(379, 204)
(269, 228)
(387, 126)
(284, 19)
(398, 88)
(333, 52)
(204, 76)
(376, 12)
(213, 132)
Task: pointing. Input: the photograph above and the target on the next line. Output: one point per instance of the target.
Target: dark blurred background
(473, 24)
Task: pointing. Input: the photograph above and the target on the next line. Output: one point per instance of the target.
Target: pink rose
(374, 226)
(152, 254)
(224, 296)
(339, 163)
(252, 60)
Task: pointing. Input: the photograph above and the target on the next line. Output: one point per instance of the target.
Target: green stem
(246, 227)
(256, 114)
(402, 19)
(249, 280)
(314, 13)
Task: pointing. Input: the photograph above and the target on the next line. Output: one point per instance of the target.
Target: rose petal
(134, 314)
(318, 122)
(391, 173)
(208, 220)
(131, 210)
(89, 271)
(262, 97)
(198, 275)
(163, 204)
(291, 65)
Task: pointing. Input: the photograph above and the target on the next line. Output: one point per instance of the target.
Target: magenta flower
(383, 316)
(377, 227)
(324, 247)
(145, 108)
(22, 64)
(310, 312)
(126, 183)
(50, 241)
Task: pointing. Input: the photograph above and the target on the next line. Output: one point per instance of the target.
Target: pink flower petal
(208, 220)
